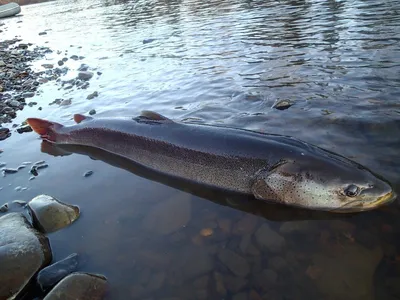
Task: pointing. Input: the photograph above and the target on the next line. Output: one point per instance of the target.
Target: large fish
(270, 167)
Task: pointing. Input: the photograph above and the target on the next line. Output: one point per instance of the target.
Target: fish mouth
(386, 199)
(359, 206)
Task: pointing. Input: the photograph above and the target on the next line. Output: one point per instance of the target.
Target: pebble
(237, 264)
(48, 66)
(269, 239)
(4, 208)
(23, 129)
(51, 275)
(85, 75)
(92, 95)
(60, 62)
(92, 112)
(282, 104)
(19, 202)
(66, 102)
(88, 173)
(28, 95)
(43, 33)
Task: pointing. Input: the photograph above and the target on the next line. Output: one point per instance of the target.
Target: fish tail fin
(46, 129)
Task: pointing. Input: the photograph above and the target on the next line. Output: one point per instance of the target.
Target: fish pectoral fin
(78, 118)
(151, 115)
(260, 188)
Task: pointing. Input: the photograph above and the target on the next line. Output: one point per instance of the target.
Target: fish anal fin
(78, 118)
(151, 115)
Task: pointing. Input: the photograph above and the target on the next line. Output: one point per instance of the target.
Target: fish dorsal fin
(151, 115)
(78, 118)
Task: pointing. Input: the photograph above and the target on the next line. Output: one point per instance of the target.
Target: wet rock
(219, 284)
(83, 286)
(193, 262)
(88, 173)
(23, 251)
(92, 112)
(51, 275)
(83, 67)
(168, 216)
(246, 225)
(74, 57)
(20, 202)
(51, 214)
(66, 102)
(23, 129)
(278, 263)
(237, 264)
(4, 208)
(13, 103)
(4, 133)
(28, 95)
(60, 62)
(37, 166)
(85, 75)
(269, 239)
(356, 279)
(282, 104)
(43, 33)
(146, 41)
(92, 95)
(48, 66)
(235, 284)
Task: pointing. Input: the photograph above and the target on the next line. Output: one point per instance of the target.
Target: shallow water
(221, 62)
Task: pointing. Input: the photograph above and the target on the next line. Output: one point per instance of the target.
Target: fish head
(323, 182)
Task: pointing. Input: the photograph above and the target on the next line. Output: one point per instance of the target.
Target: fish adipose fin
(44, 128)
(151, 115)
(78, 118)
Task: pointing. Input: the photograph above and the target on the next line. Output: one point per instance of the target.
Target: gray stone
(237, 264)
(193, 262)
(269, 239)
(169, 215)
(48, 66)
(92, 112)
(2, 64)
(85, 75)
(13, 103)
(23, 251)
(28, 95)
(60, 62)
(92, 95)
(51, 275)
(51, 214)
(82, 286)
(43, 33)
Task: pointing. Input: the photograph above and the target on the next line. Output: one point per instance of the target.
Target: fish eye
(352, 190)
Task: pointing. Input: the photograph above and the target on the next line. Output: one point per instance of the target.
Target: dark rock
(269, 239)
(92, 112)
(84, 286)
(146, 41)
(43, 33)
(85, 75)
(65, 59)
(237, 264)
(83, 67)
(282, 104)
(4, 208)
(51, 275)
(60, 62)
(23, 129)
(74, 57)
(278, 263)
(50, 214)
(23, 251)
(28, 95)
(99, 73)
(240, 296)
(4, 133)
(92, 95)
(194, 262)
(88, 173)
(48, 66)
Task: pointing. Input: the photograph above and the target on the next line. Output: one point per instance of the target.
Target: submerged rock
(85, 75)
(51, 275)
(353, 282)
(51, 214)
(168, 216)
(237, 264)
(82, 286)
(269, 239)
(23, 251)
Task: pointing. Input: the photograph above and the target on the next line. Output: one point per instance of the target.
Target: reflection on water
(221, 62)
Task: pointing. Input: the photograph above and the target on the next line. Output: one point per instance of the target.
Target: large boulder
(23, 251)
